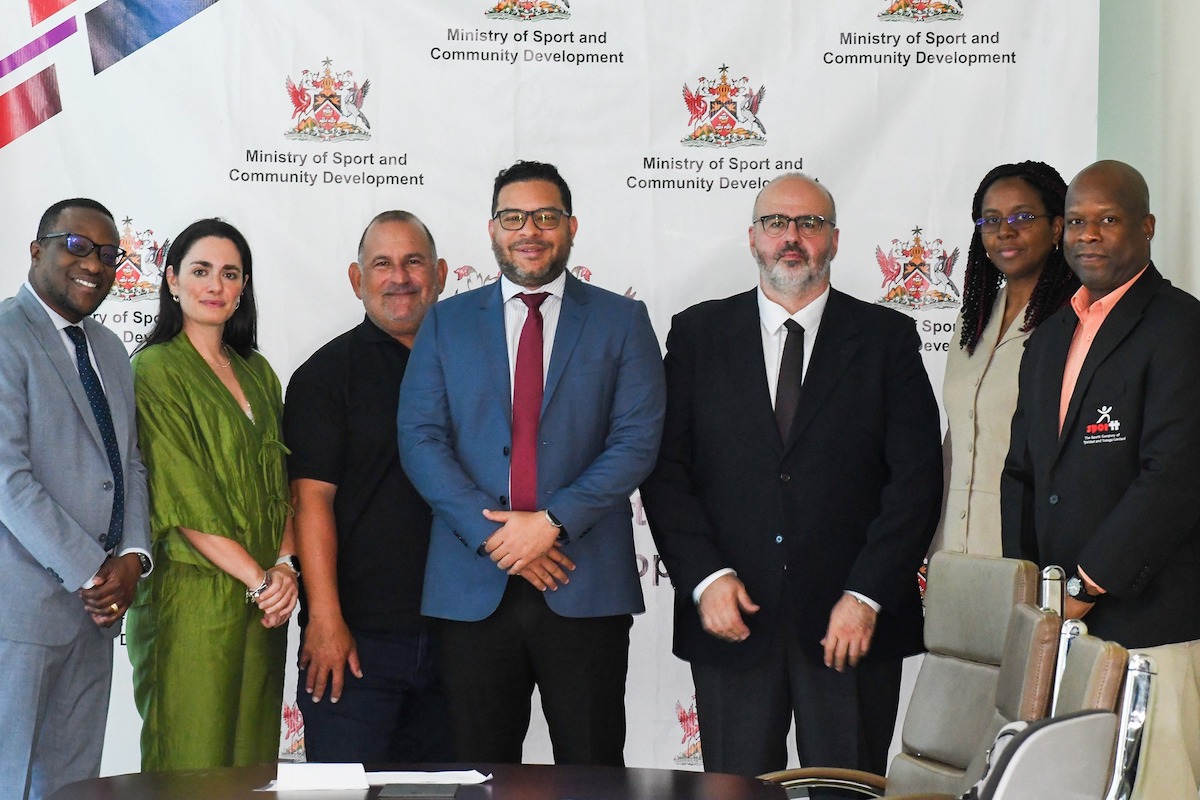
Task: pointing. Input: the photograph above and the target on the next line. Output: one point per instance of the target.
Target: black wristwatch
(145, 563)
(553, 520)
(1077, 590)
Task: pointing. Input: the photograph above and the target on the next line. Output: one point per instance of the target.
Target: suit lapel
(117, 405)
(743, 370)
(992, 335)
(51, 342)
(1123, 318)
(837, 341)
(571, 316)
(1052, 376)
(493, 344)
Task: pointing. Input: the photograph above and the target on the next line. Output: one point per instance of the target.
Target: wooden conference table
(509, 782)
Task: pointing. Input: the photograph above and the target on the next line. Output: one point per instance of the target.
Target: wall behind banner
(184, 110)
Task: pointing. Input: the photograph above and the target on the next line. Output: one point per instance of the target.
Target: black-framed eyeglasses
(546, 219)
(108, 254)
(808, 225)
(1018, 222)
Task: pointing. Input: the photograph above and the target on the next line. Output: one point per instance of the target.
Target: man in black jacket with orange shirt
(1104, 463)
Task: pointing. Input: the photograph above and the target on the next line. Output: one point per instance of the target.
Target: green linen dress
(207, 676)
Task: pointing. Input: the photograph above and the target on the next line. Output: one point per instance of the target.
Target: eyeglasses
(807, 226)
(109, 254)
(1018, 222)
(546, 219)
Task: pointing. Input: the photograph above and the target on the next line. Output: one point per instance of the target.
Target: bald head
(1121, 181)
(782, 184)
(1108, 226)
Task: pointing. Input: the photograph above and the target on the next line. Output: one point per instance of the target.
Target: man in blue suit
(529, 470)
(74, 529)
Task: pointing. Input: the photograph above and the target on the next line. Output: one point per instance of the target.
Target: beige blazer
(980, 396)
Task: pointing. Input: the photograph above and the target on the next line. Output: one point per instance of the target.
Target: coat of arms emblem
(916, 273)
(724, 113)
(526, 10)
(923, 11)
(140, 275)
(327, 106)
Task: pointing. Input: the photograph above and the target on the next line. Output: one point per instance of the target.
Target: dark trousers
(489, 669)
(394, 714)
(843, 719)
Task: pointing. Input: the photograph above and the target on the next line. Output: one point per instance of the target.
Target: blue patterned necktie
(99, 403)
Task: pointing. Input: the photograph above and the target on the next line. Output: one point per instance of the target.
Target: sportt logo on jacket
(1105, 430)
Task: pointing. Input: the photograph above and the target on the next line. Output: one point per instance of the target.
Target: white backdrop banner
(299, 120)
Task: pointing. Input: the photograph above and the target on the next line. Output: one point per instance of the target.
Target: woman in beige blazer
(1015, 278)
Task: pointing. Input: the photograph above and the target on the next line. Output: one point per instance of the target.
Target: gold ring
(115, 608)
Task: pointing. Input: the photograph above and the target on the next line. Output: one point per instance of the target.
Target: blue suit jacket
(601, 422)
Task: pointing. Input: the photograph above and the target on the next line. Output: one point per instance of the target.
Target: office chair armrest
(865, 783)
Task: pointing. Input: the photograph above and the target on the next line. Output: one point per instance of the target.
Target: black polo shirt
(339, 421)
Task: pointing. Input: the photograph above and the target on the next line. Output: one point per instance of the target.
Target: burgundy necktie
(527, 407)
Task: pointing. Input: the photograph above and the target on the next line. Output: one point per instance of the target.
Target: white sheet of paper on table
(468, 776)
(325, 777)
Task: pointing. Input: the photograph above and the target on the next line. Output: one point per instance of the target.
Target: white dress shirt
(515, 312)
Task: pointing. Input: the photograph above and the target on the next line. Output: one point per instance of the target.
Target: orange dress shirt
(1091, 317)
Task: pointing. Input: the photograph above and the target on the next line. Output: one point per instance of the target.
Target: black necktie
(791, 373)
(99, 403)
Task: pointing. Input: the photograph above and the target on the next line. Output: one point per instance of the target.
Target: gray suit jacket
(55, 482)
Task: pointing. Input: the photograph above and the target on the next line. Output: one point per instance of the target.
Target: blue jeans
(394, 714)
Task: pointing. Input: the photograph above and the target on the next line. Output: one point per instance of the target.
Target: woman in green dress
(208, 629)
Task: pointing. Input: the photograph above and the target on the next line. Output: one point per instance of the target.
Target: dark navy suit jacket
(850, 501)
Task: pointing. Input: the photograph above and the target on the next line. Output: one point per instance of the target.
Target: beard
(526, 278)
(800, 280)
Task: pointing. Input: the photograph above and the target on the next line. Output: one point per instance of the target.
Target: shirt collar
(373, 333)
(509, 290)
(58, 320)
(773, 316)
(1082, 302)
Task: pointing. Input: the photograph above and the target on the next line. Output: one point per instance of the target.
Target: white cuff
(704, 584)
(862, 598)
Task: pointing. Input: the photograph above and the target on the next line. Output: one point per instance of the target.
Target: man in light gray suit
(74, 532)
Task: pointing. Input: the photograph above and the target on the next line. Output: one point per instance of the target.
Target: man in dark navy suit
(795, 494)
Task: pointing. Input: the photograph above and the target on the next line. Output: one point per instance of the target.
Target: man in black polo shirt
(368, 689)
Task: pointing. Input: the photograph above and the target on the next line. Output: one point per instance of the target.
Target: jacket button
(107, 485)
(506, 451)
(778, 540)
(503, 499)
(1053, 499)
(785, 477)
